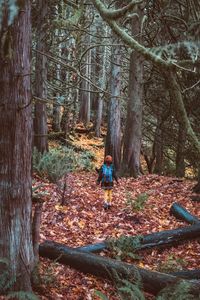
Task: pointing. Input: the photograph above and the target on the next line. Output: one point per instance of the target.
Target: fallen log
(195, 198)
(181, 213)
(94, 248)
(158, 239)
(187, 274)
(152, 282)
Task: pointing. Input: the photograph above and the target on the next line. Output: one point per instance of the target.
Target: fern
(125, 246)
(100, 295)
(58, 162)
(138, 202)
(179, 291)
(130, 291)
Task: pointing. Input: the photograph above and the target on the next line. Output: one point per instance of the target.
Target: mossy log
(181, 213)
(187, 274)
(89, 263)
(158, 239)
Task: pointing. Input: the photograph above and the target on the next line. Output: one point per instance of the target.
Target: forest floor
(82, 220)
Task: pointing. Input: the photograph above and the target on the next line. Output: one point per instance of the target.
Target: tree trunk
(180, 156)
(102, 82)
(181, 114)
(187, 274)
(15, 147)
(196, 188)
(152, 282)
(85, 95)
(40, 118)
(158, 145)
(133, 128)
(181, 213)
(113, 138)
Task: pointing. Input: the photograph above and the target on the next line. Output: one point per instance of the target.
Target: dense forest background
(123, 74)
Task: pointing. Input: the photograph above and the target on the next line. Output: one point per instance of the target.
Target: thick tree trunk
(113, 138)
(88, 263)
(181, 213)
(15, 148)
(133, 128)
(40, 118)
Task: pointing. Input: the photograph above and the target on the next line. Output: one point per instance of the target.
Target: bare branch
(117, 13)
(130, 41)
(191, 87)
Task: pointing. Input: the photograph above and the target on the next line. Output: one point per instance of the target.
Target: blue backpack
(107, 173)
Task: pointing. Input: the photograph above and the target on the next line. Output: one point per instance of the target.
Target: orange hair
(108, 158)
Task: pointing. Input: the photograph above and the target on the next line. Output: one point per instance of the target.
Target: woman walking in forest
(106, 175)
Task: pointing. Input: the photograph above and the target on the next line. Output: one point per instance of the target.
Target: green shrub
(172, 264)
(125, 247)
(125, 289)
(179, 291)
(86, 158)
(137, 203)
(7, 283)
(58, 162)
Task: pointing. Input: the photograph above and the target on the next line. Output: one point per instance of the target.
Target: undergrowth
(58, 162)
(125, 247)
(138, 203)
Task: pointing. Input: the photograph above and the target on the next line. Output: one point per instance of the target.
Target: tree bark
(113, 138)
(196, 188)
(133, 128)
(15, 147)
(85, 95)
(187, 274)
(181, 213)
(40, 118)
(180, 153)
(158, 144)
(102, 80)
(88, 263)
(181, 113)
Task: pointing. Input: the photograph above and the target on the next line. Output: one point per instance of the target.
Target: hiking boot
(105, 206)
